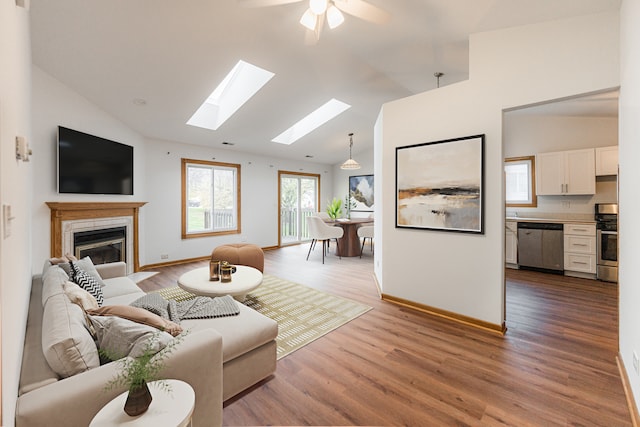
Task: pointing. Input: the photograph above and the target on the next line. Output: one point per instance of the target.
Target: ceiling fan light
(318, 6)
(309, 20)
(334, 17)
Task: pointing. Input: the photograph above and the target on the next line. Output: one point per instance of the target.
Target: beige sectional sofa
(219, 357)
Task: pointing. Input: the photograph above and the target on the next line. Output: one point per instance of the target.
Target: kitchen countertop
(552, 220)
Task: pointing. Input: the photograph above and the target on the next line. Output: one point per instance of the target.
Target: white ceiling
(172, 54)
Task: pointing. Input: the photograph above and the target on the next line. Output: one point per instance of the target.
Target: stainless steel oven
(606, 217)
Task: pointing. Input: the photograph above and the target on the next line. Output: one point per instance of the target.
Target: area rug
(303, 314)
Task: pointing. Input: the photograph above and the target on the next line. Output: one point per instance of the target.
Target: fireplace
(101, 245)
(69, 219)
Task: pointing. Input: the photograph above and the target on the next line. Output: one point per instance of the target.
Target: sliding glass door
(298, 195)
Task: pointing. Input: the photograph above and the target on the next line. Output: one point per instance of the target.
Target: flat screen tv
(89, 164)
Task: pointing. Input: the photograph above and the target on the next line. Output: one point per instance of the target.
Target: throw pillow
(86, 265)
(87, 282)
(138, 315)
(78, 295)
(118, 337)
(67, 344)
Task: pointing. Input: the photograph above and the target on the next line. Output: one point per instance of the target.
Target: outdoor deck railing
(289, 222)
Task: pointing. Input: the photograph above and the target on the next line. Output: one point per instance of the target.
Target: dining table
(349, 244)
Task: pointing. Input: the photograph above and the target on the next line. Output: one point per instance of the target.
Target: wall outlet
(164, 256)
(635, 363)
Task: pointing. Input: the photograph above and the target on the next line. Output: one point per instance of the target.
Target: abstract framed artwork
(440, 185)
(361, 193)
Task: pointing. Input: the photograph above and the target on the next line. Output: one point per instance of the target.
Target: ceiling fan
(330, 11)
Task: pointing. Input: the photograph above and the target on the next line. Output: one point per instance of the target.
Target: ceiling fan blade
(264, 3)
(363, 10)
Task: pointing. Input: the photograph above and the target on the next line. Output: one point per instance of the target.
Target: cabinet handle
(579, 229)
(579, 244)
(578, 262)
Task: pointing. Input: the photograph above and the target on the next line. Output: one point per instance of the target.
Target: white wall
(526, 135)
(629, 277)
(464, 273)
(259, 182)
(15, 190)
(56, 104)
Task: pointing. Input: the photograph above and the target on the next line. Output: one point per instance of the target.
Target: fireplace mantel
(68, 211)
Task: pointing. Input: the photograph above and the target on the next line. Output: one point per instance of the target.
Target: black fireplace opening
(102, 246)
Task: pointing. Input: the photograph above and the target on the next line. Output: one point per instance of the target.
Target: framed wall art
(440, 185)
(361, 193)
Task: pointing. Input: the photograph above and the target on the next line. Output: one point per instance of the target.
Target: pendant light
(350, 164)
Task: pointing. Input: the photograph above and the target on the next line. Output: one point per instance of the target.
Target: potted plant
(334, 208)
(135, 373)
(349, 203)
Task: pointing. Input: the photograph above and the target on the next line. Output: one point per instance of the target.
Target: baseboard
(174, 262)
(188, 260)
(459, 318)
(626, 385)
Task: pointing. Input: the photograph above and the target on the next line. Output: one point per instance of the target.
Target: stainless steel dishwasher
(540, 246)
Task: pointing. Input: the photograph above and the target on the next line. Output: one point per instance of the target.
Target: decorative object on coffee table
(214, 270)
(225, 272)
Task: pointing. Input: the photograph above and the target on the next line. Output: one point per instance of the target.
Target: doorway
(299, 198)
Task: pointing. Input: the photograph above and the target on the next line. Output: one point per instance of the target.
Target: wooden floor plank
(395, 366)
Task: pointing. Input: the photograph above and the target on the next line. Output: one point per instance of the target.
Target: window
(520, 181)
(210, 198)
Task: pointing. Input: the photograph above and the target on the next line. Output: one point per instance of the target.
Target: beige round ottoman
(240, 253)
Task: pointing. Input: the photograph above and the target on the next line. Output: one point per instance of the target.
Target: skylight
(242, 82)
(328, 111)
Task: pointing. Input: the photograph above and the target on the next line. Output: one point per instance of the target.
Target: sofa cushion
(118, 337)
(240, 334)
(53, 280)
(66, 342)
(118, 286)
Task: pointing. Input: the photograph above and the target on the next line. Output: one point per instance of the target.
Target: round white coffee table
(173, 408)
(243, 281)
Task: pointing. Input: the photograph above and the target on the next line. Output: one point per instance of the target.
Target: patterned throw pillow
(87, 282)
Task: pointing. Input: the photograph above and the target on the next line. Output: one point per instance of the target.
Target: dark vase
(138, 400)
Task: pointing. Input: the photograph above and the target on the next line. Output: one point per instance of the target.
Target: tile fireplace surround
(68, 218)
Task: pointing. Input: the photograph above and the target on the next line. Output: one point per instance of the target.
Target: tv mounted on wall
(89, 164)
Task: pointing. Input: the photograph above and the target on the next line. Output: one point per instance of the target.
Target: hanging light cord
(350, 144)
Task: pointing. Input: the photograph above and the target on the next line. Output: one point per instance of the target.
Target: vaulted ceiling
(169, 55)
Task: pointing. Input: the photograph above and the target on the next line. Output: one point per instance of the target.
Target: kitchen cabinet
(566, 173)
(580, 250)
(511, 244)
(607, 161)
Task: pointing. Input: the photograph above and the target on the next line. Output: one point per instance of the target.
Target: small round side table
(170, 409)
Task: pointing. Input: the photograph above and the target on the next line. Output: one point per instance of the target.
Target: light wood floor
(393, 366)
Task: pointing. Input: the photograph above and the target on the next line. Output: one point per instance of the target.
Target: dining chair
(366, 232)
(320, 231)
(323, 215)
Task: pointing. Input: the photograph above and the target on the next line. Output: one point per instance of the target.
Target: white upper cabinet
(566, 172)
(607, 160)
